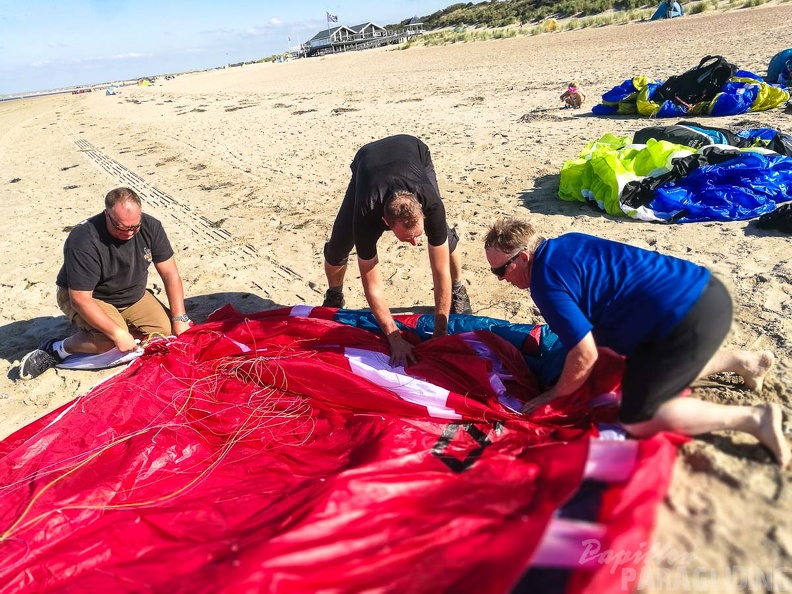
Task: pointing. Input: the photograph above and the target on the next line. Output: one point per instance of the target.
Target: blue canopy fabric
(666, 11)
(777, 65)
(744, 92)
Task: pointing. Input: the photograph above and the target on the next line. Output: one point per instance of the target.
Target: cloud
(222, 31)
(89, 61)
(254, 31)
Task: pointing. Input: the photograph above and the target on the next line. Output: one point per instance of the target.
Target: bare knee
(642, 429)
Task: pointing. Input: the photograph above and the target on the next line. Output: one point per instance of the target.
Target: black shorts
(342, 240)
(661, 369)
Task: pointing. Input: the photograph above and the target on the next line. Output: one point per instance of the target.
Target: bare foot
(755, 367)
(771, 432)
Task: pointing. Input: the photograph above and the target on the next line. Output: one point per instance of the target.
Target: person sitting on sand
(101, 286)
(394, 187)
(666, 316)
(785, 76)
(573, 96)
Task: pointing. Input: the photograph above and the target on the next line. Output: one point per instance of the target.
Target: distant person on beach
(394, 187)
(573, 97)
(101, 286)
(779, 70)
(785, 76)
(667, 316)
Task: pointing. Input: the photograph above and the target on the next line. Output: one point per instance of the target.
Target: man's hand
(440, 326)
(578, 364)
(439, 260)
(400, 350)
(539, 402)
(124, 341)
(174, 289)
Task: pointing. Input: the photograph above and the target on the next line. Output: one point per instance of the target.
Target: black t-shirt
(382, 167)
(115, 270)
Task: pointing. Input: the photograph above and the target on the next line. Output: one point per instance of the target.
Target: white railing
(361, 41)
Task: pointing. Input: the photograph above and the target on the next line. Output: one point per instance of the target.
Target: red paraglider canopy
(278, 452)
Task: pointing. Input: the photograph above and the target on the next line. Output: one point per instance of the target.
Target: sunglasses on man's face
(120, 227)
(499, 271)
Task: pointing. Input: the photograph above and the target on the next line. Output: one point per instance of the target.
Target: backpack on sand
(780, 219)
(698, 84)
(674, 134)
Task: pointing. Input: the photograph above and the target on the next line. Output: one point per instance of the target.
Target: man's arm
(85, 305)
(175, 292)
(439, 260)
(577, 367)
(401, 350)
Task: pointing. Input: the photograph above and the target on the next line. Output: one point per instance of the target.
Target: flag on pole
(289, 38)
(331, 18)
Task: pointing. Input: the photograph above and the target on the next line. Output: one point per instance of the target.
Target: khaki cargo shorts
(148, 316)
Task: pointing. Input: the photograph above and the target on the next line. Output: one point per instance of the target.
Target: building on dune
(364, 36)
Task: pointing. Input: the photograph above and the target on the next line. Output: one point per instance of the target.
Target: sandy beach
(246, 168)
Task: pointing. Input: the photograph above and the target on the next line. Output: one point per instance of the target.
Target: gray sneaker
(333, 299)
(37, 362)
(460, 303)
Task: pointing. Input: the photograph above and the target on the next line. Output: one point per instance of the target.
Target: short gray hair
(509, 235)
(120, 195)
(403, 207)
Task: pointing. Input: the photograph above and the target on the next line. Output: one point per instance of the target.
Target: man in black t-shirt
(394, 187)
(101, 286)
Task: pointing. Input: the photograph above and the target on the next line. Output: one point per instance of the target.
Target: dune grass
(502, 20)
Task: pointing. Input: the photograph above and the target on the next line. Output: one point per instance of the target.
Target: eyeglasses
(119, 227)
(499, 271)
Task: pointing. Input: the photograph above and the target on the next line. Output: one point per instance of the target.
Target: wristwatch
(181, 318)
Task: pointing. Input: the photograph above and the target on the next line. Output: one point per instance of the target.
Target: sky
(51, 44)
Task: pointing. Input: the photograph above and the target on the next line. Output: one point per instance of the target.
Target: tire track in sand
(205, 231)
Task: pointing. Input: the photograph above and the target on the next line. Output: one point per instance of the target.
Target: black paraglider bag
(698, 84)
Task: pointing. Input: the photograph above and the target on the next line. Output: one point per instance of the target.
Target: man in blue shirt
(666, 316)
